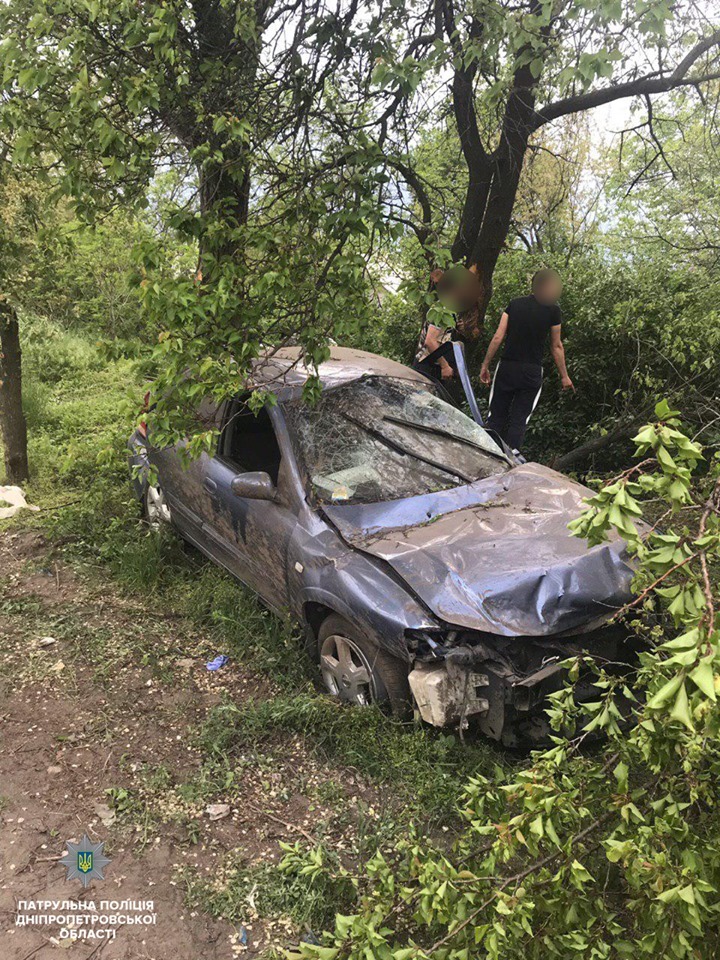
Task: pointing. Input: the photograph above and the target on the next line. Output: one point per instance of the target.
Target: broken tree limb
(622, 431)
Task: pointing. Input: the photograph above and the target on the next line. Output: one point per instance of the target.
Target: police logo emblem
(85, 861)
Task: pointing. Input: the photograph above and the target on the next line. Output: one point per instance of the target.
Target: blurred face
(550, 291)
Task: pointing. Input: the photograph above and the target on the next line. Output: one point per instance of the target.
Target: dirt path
(98, 695)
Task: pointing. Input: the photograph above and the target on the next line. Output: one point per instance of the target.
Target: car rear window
(382, 438)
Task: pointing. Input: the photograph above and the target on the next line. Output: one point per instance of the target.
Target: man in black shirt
(458, 289)
(517, 384)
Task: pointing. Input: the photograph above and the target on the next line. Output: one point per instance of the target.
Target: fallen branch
(518, 877)
(595, 445)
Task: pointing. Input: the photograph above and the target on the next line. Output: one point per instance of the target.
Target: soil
(73, 730)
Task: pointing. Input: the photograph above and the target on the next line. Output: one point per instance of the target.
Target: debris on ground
(217, 663)
(107, 815)
(16, 498)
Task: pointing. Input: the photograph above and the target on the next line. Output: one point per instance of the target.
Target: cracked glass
(381, 438)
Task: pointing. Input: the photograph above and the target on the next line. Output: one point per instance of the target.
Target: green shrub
(52, 354)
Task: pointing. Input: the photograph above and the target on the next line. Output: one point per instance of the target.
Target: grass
(423, 766)
(267, 891)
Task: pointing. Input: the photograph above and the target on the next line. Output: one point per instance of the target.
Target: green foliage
(616, 506)
(668, 179)
(53, 354)
(87, 278)
(54, 266)
(604, 854)
(112, 94)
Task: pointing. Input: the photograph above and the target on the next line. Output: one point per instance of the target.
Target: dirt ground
(81, 715)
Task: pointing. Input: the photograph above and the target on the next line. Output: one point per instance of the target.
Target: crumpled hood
(496, 555)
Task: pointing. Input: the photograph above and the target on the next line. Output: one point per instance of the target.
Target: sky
(610, 119)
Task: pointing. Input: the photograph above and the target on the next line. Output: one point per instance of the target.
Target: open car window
(248, 442)
(380, 439)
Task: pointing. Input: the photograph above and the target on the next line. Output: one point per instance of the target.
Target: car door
(250, 536)
(182, 480)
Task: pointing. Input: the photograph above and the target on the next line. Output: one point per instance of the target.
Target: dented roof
(283, 372)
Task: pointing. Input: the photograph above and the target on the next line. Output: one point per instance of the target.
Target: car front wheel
(355, 670)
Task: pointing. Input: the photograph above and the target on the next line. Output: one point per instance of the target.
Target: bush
(52, 354)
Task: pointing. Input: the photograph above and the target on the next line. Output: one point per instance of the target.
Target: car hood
(496, 555)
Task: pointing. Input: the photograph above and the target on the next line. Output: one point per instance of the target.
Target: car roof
(283, 372)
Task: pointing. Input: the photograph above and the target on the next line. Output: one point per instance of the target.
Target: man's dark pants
(515, 391)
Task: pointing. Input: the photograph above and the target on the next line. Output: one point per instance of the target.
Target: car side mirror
(254, 486)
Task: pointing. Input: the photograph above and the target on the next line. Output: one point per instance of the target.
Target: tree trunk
(493, 178)
(224, 198)
(496, 224)
(487, 216)
(12, 418)
(226, 189)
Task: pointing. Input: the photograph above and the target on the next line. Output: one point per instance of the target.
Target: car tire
(356, 670)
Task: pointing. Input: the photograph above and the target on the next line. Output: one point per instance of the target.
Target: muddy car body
(425, 563)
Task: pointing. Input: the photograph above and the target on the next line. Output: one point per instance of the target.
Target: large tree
(21, 213)
(256, 105)
(503, 70)
(13, 426)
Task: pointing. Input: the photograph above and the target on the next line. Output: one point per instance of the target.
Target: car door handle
(210, 486)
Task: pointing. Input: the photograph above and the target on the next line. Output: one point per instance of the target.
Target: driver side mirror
(254, 486)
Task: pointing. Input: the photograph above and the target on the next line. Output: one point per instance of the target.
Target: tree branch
(642, 86)
(413, 180)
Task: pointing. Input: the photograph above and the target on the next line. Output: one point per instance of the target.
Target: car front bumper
(501, 684)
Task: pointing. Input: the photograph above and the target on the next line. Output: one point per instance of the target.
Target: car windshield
(382, 438)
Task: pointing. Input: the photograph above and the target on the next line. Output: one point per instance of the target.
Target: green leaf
(663, 411)
(550, 831)
(580, 873)
(617, 850)
(536, 827)
(681, 709)
(621, 775)
(664, 693)
(704, 678)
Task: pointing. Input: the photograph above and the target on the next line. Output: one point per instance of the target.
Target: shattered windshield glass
(382, 438)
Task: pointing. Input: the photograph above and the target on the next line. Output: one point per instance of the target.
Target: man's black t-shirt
(529, 322)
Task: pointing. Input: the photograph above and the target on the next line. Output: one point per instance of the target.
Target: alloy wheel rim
(346, 671)
(157, 509)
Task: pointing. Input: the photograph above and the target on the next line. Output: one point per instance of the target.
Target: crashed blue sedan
(427, 565)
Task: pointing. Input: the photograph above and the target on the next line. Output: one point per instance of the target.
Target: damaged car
(428, 565)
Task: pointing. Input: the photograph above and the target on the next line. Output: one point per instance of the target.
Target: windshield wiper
(444, 433)
(394, 445)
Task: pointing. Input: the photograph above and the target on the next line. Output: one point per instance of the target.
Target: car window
(248, 440)
(383, 438)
